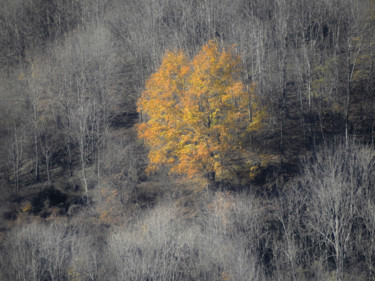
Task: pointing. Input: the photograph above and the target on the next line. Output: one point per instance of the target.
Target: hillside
(187, 140)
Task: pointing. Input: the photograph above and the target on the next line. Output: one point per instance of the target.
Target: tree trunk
(347, 116)
(211, 178)
(37, 174)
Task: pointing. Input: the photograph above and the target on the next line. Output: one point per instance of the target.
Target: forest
(187, 140)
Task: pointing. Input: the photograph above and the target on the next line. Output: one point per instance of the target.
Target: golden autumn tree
(198, 112)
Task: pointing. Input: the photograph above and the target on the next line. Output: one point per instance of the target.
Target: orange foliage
(198, 112)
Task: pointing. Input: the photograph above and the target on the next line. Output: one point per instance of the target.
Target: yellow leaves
(197, 111)
(73, 274)
(184, 70)
(110, 210)
(362, 70)
(26, 208)
(254, 171)
(225, 276)
(356, 39)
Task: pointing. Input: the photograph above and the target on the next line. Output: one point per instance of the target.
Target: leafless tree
(336, 180)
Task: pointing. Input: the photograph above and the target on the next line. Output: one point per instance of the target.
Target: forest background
(298, 202)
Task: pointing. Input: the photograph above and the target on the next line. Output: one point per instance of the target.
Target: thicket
(321, 227)
(71, 73)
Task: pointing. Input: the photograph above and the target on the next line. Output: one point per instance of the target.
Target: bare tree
(290, 250)
(77, 85)
(335, 180)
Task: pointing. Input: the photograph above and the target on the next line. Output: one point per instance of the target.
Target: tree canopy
(198, 112)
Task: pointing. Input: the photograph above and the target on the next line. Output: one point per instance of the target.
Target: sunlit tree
(198, 112)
